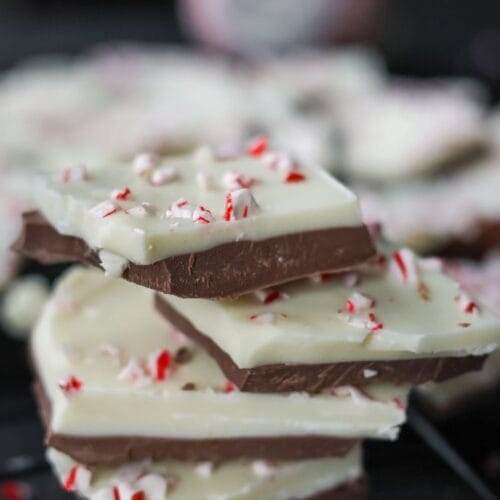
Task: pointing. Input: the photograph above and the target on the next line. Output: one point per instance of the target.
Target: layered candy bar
(115, 383)
(315, 479)
(400, 320)
(201, 225)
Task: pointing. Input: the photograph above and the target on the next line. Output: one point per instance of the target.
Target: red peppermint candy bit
(376, 324)
(163, 362)
(399, 404)
(258, 146)
(104, 209)
(398, 259)
(138, 495)
(122, 194)
(269, 295)
(228, 210)
(349, 306)
(71, 385)
(70, 480)
(229, 387)
(202, 215)
(116, 493)
(470, 307)
(294, 176)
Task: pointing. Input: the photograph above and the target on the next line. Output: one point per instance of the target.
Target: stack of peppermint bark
(266, 340)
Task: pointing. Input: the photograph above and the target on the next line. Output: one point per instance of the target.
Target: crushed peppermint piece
(71, 385)
(293, 176)
(278, 161)
(369, 373)
(144, 163)
(103, 209)
(404, 266)
(229, 387)
(202, 215)
(358, 313)
(73, 174)
(358, 303)
(135, 372)
(145, 209)
(153, 485)
(163, 175)
(264, 469)
(233, 181)
(159, 364)
(258, 146)
(269, 295)
(77, 479)
(113, 265)
(240, 204)
(180, 209)
(204, 469)
(318, 278)
(121, 194)
(466, 304)
(205, 181)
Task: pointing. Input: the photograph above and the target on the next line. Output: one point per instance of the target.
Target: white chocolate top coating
(239, 480)
(317, 202)
(94, 328)
(423, 317)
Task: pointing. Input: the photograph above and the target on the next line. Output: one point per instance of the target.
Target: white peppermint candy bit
(153, 485)
(75, 173)
(269, 295)
(403, 265)
(145, 209)
(240, 204)
(204, 469)
(163, 175)
(144, 163)
(83, 479)
(180, 209)
(113, 265)
(466, 304)
(132, 471)
(104, 209)
(233, 181)
(135, 373)
(202, 215)
(369, 373)
(205, 181)
(264, 469)
(278, 161)
(358, 303)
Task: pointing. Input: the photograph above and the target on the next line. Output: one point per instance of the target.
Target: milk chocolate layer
(226, 270)
(116, 450)
(315, 378)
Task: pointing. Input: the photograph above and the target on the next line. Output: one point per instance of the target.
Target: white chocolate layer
(240, 480)
(310, 324)
(93, 326)
(318, 202)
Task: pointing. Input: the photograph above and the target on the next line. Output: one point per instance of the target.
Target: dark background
(425, 38)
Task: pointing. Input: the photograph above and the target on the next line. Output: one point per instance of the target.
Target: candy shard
(240, 204)
(144, 163)
(163, 175)
(233, 181)
(180, 209)
(258, 146)
(263, 468)
(202, 215)
(103, 209)
(71, 385)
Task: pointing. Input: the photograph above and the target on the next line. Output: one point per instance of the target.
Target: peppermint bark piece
(325, 478)
(114, 385)
(401, 321)
(198, 226)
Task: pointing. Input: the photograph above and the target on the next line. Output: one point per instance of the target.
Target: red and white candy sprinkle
(466, 304)
(269, 295)
(163, 175)
(73, 174)
(229, 387)
(240, 204)
(153, 485)
(202, 215)
(160, 364)
(180, 209)
(403, 265)
(144, 163)
(233, 181)
(294, 176)
(319, 278)
(358, 303)
(358, 313)
(71, 385)
(77, 479)
(258, 146)
(121, 194)
(104, 209)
